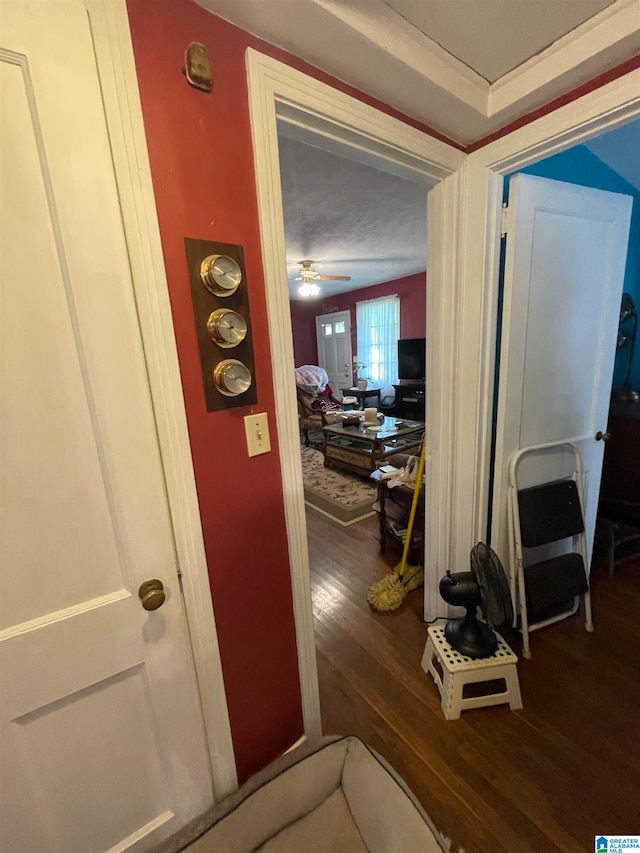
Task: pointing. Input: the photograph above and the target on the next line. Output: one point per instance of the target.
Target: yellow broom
(390, 592)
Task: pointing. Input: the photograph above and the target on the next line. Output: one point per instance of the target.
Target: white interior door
(333, 333)
(565, 262)
(101, 742)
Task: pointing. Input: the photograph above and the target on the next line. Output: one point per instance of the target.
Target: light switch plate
(257, 430)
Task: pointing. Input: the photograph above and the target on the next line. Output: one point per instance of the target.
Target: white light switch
(257, 430)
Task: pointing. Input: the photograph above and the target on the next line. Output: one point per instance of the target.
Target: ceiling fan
(308, 276)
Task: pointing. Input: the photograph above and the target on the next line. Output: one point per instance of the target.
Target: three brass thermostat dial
(220, 274)
(226, 328)
(219, 292)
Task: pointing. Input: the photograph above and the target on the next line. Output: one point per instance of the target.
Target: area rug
(343, 497)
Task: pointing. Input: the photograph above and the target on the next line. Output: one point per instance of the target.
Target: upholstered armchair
(317, 406)
(315, 412)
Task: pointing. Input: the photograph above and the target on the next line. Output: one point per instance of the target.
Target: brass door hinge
(503, 222)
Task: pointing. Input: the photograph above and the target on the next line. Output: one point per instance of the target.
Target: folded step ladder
(547, 513)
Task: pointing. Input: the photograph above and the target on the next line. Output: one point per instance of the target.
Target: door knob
(151, 594)
(603, 436)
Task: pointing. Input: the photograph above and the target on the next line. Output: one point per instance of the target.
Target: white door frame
(116, 67)
(595, 113)
(304, 107)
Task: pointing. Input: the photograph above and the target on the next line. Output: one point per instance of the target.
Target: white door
(565, 263)
(333, 333)
(101, 741)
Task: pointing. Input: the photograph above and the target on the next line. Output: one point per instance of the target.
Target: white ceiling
(495, 36)
(464, 67)
(349, 219)
(352, 219)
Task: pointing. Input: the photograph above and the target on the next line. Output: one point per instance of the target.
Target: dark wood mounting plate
(204, 302)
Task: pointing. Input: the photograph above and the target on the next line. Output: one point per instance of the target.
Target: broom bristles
(390, 592)
(387, 594)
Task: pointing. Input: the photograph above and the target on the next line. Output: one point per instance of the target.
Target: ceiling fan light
(308, 289)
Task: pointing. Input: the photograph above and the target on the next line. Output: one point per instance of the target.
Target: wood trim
(590, 86)
(596, 112)
(271, 85)
(320, 106)
(439, 400)
(262, 103)
(376, 47)
(591, 45)
(381, 25)
(114, 56)
(579, 48)
(300, 742)
(460, 407)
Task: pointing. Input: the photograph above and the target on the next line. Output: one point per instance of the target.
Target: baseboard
(295, 745)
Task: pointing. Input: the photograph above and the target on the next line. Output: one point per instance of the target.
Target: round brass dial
(226, 328)
(220, 274)
(231, 377)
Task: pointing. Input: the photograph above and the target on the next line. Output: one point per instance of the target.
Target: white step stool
(458, 670)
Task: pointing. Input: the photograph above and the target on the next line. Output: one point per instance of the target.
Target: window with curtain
(378, 326)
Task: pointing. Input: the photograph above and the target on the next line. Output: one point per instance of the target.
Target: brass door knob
(151, 594)
(603, 436)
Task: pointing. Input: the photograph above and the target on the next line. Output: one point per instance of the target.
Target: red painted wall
(202, 168)
(412, 291)
(303, 324)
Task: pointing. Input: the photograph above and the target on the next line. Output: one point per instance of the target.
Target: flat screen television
(412, 359)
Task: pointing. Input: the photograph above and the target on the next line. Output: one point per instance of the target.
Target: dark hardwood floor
(547, 778)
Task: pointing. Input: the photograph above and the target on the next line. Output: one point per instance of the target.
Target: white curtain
(378, 326)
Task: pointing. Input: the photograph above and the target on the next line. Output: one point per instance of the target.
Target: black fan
(485, 586)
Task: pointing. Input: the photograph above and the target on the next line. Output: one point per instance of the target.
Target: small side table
(363, 395)
(393, 507)
(458, 670)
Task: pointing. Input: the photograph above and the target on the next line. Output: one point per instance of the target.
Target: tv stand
(410, 401)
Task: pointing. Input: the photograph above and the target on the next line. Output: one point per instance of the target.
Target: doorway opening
(606, 166)
(310, 108)
(362, 232)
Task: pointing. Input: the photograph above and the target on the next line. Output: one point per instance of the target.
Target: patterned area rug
(343, 497)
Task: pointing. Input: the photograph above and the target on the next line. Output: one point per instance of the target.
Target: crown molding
(368, 45)
(385, 29)
(605, 40)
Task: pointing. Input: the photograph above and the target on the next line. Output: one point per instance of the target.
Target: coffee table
(361, 449)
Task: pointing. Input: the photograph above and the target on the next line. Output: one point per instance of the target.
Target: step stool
(458, 670)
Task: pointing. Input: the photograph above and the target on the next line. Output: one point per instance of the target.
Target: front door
(101, 741)
(333, 333)
(565, 263)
